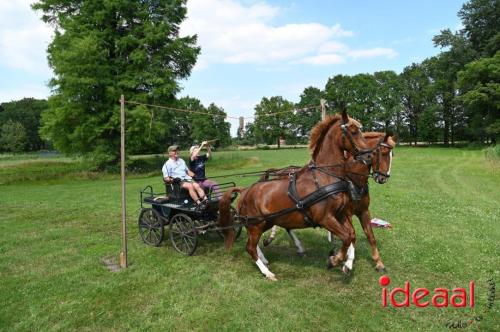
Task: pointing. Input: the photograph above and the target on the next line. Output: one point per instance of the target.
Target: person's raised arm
(209, 151)
(197, 150)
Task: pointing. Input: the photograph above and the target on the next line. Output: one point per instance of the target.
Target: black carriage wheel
(151, 227)
(183, 234)
(237, 230)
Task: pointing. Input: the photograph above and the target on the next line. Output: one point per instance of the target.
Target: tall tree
(481, 21)
(102, 49)
(213, 126)
(388, 100)
(273, 119)
(414, 96)
(480, 86)
(309, 114)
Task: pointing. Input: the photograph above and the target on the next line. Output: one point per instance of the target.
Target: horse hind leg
(296, 241)
(254, 234)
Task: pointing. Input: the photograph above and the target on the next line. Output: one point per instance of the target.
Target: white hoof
(271, 277)
(346, 270)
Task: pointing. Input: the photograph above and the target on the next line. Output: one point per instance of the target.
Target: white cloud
(231, 32)
(23, 38)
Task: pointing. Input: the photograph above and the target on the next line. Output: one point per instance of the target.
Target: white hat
(191, 149)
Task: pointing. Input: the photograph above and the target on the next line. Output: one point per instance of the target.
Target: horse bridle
(376, 171)
(346, 134)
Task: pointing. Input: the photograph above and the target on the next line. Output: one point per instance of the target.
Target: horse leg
(348, 265)
(365, 218)
(260, 254)
(254, 233)
(330, 237)
(296, 241)
(332, 225)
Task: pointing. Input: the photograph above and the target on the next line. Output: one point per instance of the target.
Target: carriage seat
(175, 192)
(156, 200)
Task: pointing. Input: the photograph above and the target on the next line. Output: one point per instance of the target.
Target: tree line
(103, 49)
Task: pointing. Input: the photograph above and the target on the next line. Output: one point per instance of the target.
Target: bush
(493, 153)
(146, 165)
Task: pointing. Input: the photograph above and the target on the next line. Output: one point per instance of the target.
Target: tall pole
(323, 108)
(323, 116)
(123, 253)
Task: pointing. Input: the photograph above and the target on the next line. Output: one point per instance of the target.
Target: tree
(414, 96)
(479, 83)
(481, 21)
(306, 119)
(13, 136)
(102, 49)
(27, 112)
(356, 93)
(207, 127)
(273, 118)
(388, 100)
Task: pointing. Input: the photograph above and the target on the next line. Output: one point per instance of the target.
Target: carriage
(175, 209)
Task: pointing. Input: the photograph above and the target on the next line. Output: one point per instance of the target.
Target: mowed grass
(57, 232)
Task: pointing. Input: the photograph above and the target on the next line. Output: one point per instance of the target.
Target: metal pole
(123, 253)
(323, 108)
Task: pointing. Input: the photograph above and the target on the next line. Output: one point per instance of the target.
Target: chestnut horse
(265, 204)
(381, 145)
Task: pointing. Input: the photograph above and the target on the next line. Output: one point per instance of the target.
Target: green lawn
(56, 230)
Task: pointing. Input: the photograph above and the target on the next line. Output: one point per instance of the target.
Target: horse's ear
(345, 117)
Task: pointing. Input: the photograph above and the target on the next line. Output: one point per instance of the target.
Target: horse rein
(376, 171)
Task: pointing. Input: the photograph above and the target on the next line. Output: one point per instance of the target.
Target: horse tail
(225, 216)
(271, 237)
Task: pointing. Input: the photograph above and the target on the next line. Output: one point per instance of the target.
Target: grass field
(59, 223)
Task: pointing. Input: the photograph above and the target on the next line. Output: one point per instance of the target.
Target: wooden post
(323, 116)
(323, 108)
(123, 253)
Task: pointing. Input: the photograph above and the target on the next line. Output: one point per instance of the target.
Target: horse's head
(335, 136)
(352, 140)
(382, 159)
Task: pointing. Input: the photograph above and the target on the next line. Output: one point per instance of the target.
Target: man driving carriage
(197, 166)
(175, 168)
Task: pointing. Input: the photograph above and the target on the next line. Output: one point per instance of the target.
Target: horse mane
(319, 131)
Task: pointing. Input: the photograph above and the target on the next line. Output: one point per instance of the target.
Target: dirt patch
(110, 263)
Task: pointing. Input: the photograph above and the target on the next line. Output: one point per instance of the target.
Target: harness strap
(301, 204)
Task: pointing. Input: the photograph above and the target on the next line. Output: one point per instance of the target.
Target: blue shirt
(175, 169)
(197, 166)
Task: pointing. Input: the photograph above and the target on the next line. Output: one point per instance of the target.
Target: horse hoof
(301, 253)
(381, 269)
(271, 277)
(346, 271)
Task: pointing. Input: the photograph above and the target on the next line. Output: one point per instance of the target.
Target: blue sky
(254, 49)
